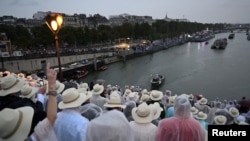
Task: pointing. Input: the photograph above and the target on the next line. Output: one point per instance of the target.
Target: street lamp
(54, 21)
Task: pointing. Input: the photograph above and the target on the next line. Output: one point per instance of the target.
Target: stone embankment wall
(36, 64)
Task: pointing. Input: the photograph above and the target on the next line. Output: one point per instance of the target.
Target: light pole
(54, 21)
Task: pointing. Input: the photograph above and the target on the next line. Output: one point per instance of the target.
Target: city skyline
(209, 11)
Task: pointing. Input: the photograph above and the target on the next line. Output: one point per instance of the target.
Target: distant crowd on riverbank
(101, 111)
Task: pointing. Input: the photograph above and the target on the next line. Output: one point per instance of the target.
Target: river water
(191, 68)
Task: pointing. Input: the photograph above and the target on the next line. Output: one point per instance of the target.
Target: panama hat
(201, 115)
(15, 124)
(233, 112)
(84, 85)
(144, 91)
(142, 114)
(71, 98)
(171, 100)
(97, 89)
(156, 95)
(194, 110)
(156, 108)
(11, 84)
(28, 91)
(85, 91)
(133, 96)
(203, 101)
(59, 87)
(144, 98)
(220, 120)
(7, 73)
(114, 101)
(127, 92)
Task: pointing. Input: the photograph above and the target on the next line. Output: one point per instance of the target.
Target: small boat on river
(156, 81)
(220, 43)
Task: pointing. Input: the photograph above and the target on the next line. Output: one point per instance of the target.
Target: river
(191, 68)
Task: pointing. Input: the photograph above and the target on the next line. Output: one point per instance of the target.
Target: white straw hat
(11, 84)
(233, 112)
(220, 120)
(203, 101)
(28, 91)
(71, 98)
(142, 114)
(201, 115)
(157, 109)
(156, 95)
(194, 110)
(97, 89)
(15, 124)
(59, 87)
(114, 101)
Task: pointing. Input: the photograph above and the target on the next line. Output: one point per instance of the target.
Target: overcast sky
(203, 11)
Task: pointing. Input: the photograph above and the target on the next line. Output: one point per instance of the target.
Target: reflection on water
(189, 68)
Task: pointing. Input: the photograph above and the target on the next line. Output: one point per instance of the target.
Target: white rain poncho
(110, 126)
(181, 127)
(70, 125)
(98, 100)
(90, 111)
(127, 111)
(144, 131)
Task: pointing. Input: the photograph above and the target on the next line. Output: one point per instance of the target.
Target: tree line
(24, 38)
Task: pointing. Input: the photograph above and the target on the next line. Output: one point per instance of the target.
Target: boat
(80, 73)
(156, 81)
(102, 68)
(220, 43)
(231, 36)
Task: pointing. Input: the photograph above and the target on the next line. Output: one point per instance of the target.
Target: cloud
(23, 3)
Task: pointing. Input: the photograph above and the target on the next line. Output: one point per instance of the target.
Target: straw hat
(157, 109)
(84, 91)
(194, 110)
(71, 98)
(144, 91)
(15, 124)
(84, 85)
(114, 101)
(201, 115)
(97, 89)
(133, 96)
(171, 100)
(127, 92)
(156, 95)
(7, 73)
(27, 91)
(143, 113)
(59, 87)
(220, 120)
(29, 78)
(11, 84)
(144, 98)
(203, 101)
(233, 112)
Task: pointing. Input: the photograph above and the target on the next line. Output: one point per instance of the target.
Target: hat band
(16, 127)
(72, 99)
(27, 93)
(11, 85)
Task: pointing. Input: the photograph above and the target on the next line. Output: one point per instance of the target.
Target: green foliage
(42, 36)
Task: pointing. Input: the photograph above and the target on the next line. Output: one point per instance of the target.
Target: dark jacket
(14, 102)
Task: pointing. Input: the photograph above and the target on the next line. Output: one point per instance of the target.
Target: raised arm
(52, 102)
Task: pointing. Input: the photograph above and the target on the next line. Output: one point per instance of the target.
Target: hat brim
(98, 92)
(78, 102)
(114, 106)
(196, 116)
(156, 99)
(33, 92)
(59, 90)
(139, 119)
(25, 125)
(16, 88)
